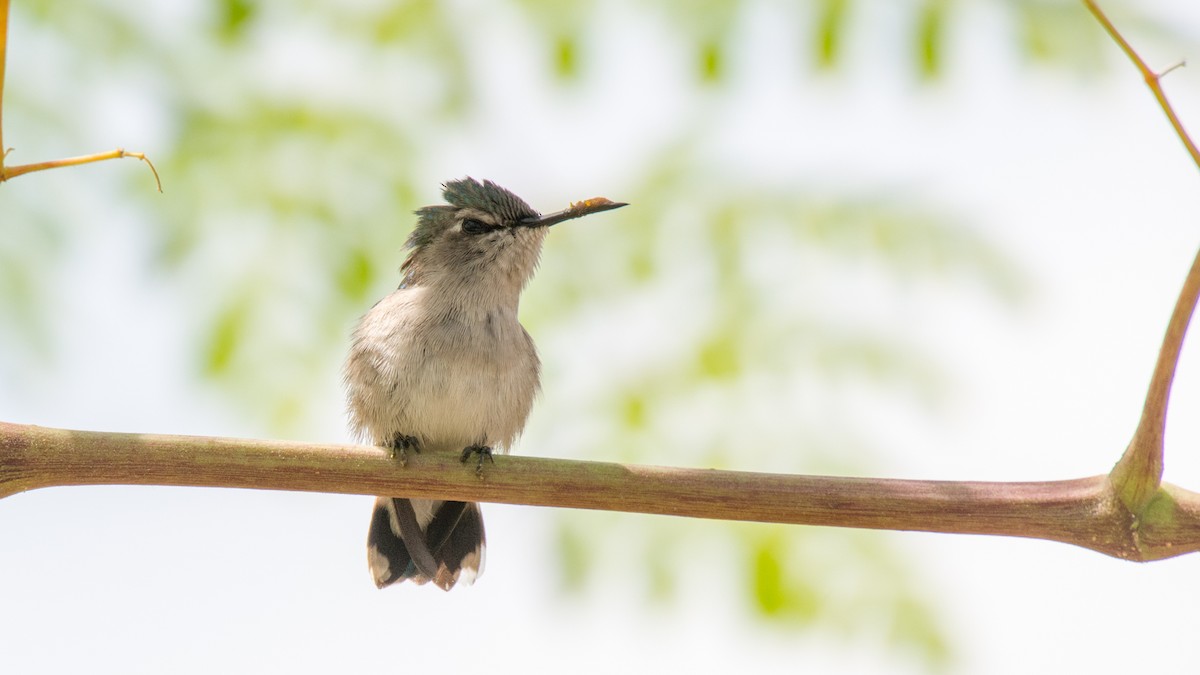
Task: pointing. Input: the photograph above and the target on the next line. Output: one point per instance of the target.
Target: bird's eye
(472, 226)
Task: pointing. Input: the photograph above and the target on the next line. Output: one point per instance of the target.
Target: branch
(1137, 476)
(1128, 514)
(3, 55)
(1153, 79)
(1083, 512)
(12, 172)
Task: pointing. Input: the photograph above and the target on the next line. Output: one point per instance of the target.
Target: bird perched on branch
(442, 365)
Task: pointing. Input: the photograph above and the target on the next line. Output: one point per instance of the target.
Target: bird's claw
(483, 451)
(400, 446)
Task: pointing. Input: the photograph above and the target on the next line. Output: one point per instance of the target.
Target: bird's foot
(483, 451)
(400, 446)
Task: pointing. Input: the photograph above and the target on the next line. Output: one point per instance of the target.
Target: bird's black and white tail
(444, 546)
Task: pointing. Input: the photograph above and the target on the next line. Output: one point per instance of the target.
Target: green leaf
(355, 274)
(780, 590)
(234, 17)
(718, 357)
(710, 62)
(574, 555)
(931, 25)
(566, 64)
(223, 339)
(767, 577)
(831, 25)
(633, 410)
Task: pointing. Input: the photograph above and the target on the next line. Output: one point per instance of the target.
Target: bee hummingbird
(443, 365)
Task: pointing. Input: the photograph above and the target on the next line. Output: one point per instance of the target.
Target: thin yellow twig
(1137, 477)
(3, 53)
(14, 171)
(7, 172)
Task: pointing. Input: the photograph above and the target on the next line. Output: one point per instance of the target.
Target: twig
(1153, 80)
(3, 55)
(14, 171)
(1138, 475)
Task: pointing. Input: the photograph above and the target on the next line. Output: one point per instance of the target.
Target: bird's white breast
(450, 376)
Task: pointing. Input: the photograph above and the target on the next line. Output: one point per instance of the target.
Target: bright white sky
(1085, 186)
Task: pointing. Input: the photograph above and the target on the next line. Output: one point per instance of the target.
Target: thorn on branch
(1168, 71)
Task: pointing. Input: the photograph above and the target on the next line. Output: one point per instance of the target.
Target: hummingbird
(442, 364)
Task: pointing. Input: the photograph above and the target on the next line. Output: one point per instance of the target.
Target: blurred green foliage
(296, 137)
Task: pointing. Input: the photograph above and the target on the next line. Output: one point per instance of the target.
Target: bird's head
(483, 235)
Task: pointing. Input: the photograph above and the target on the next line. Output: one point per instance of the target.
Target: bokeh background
(922, 239)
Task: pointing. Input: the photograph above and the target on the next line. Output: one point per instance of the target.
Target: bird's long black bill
(576, 210)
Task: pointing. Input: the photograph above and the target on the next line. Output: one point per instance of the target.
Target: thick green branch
(1084, 512)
